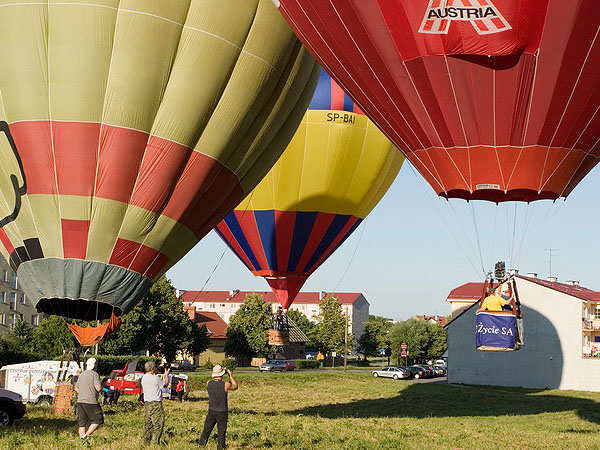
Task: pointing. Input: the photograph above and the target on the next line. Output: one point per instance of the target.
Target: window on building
(11, 320)
(2, 319)
(303, 307)
(22, 299)
(13, 280)
(597, 316)
(3, 297)
(5, 275)
(33, 319)
(212, 305)
(13, 297)
(222, 305)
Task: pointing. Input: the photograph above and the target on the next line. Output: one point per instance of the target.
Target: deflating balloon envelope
(129, 129)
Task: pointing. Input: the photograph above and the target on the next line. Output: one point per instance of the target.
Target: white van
(35, 381)
(440, 362)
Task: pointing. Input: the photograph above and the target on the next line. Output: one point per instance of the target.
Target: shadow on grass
(56, 424)
(440, 400)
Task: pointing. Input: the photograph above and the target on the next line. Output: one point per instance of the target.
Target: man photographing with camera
(217, 405)
(154, 414)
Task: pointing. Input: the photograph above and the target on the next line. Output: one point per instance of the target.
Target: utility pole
(346, 340)
(551, 254)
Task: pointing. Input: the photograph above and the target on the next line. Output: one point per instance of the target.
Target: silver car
(395, 372)
(273, 366)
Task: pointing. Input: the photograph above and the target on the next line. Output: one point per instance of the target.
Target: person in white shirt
(154, 414)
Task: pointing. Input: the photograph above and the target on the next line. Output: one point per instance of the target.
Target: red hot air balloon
(489, 99)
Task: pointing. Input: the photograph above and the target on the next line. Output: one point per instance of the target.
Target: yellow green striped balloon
(128, 129)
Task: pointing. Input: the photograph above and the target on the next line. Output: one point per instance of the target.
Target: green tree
(330, 330)
(437, 341)
(305, 324)
(416, 335)
(375, 336)
(160, 325)
(248, 329)
(52, 337)
(22, 335)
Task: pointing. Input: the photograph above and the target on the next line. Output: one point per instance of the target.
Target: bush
(208, 365)
(229, 363)
(12, 353)
(307, 364)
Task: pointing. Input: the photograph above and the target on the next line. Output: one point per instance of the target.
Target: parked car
(183, 366)
(274, 365)
(290, 365)
(429, 369)
(440, 371)
(11, 407)
(419, 372)
(395, 372)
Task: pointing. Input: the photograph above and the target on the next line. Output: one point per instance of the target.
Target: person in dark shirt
(217, 405)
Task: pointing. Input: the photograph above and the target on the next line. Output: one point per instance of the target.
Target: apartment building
(13, 301)
(226, 303)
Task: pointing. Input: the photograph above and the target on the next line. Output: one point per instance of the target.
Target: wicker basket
(279, 337)
(62, 399)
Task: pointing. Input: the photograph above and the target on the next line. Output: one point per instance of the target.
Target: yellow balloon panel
(338, 163)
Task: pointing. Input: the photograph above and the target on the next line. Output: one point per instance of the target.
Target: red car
(290, 365)
(125, 380)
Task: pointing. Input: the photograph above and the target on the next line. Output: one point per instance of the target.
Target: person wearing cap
(154, 414)
(217, 405)
(89, 412)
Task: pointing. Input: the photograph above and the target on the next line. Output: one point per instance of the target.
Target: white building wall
(552, 353)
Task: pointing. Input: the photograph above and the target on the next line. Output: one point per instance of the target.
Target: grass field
(332, 409)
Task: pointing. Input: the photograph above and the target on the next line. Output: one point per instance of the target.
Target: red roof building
(226, 303)
(465, 295)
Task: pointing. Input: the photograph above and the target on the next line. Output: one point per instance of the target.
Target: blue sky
(415, 247)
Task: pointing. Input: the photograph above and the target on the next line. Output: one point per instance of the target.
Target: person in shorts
(89, 412)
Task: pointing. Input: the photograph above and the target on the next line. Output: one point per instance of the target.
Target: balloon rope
(462, 226)
(477, 236)
(362, 231)
(512, 239)
(421, 181)
(494, 236)
(214, 269)
(225, 250)
(528, 217)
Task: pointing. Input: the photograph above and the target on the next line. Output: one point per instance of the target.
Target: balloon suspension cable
(421, 181)
(529, 212)
(512, 241)
(478, 239)
(225, 249)
(493, 238)
(362, 231)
